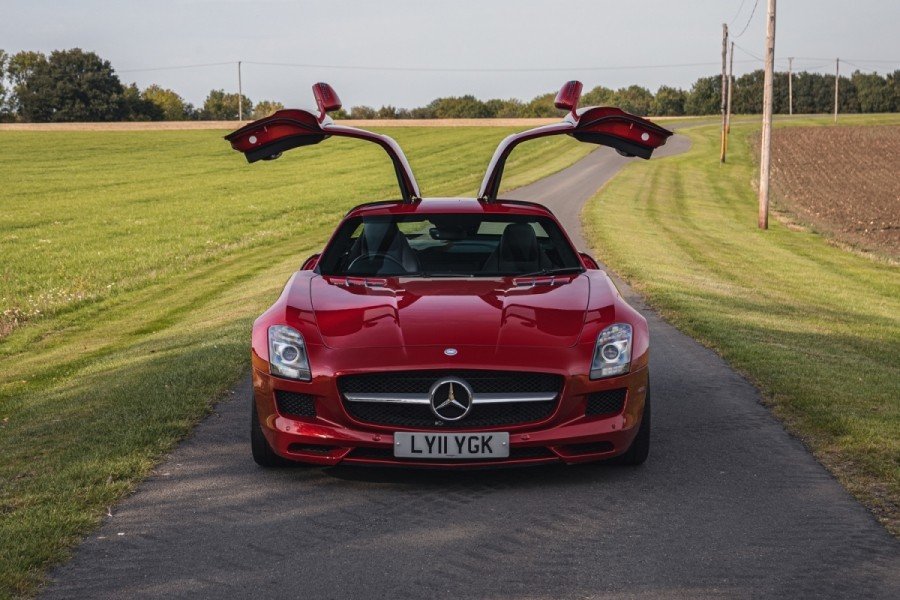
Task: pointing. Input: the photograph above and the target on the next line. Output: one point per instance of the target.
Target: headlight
(612, 354)
(287, 353)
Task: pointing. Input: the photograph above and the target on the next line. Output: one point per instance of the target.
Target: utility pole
(724, 87)
(765, 159)
(240, 96)
(791, 85)
(730, 90)
(837, 81)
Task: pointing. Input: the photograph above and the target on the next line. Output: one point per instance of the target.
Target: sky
(416, 50)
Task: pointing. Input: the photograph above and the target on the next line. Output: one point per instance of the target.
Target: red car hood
(452, 312)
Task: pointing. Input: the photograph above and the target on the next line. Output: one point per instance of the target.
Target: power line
(172, 68)
(747, 52)
(479, 70)
(866, 60)
(737, 14)
(864, 69)
(752, 12)
(494, 70)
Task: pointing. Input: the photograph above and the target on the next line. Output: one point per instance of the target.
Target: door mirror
(588, 261)
(310, 263)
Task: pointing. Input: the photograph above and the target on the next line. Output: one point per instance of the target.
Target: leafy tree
(541, 106)
(387, 112)
(669, 101)
(635, 99)
(812, 93)
(4, 58)
(599, 96)
(135, 107)
(872, 92)
(705, 96)
(70, 85)
(220, 106)
(893, 84)
(173, 106)
(504, 109)
(21, 65)
(264, 108)
(459, 107)
(362, 112)
(422, 112)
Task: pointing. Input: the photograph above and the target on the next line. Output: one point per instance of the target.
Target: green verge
(815, 327)
(132, 267)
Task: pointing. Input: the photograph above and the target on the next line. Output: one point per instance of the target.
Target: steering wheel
(376, 255)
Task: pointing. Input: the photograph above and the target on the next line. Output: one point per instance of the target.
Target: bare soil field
(843, 181)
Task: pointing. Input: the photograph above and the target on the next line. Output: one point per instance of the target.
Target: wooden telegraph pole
(837, 82)
(791, 86)
(240, 96)
(765, 161)
(730, 90)
(724, 87)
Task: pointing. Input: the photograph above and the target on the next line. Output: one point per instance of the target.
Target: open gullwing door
(267, 138)
(630, 135)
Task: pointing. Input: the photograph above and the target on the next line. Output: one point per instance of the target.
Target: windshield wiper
(558, 271)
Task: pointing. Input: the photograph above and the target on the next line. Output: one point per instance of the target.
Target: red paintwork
(608, 126)
(568, 96)
(354, 325)
(358, 325)
(326, 99)
(267, 138)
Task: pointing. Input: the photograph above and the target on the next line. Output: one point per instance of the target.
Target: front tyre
(640, 448)
(263, 454)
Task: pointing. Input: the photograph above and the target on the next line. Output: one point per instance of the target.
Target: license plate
(451, 445)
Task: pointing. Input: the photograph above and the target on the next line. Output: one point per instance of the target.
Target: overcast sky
(573, 39)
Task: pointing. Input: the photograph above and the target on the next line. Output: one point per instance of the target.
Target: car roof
(428, 206)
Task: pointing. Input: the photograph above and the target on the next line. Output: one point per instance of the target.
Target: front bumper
(333, 437)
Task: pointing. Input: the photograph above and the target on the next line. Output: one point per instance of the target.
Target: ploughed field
(814, 326)
(844, 181)
(133, 264)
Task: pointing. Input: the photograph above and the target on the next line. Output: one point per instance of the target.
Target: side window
(492, 228)
(538, 230)
(413, 229)
(357, 232)
(497, 227)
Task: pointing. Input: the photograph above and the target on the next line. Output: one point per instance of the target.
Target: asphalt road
(728, 505)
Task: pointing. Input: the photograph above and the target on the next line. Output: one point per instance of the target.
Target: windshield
(448, 245)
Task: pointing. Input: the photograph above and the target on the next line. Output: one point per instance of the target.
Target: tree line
(74, 85)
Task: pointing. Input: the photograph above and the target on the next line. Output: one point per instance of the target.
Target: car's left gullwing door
(628, 134)
(267, 138)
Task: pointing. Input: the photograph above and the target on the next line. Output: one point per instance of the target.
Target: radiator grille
(420, 382)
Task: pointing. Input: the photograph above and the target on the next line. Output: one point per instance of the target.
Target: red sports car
(449, 332)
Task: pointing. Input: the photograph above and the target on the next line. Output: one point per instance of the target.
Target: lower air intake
(607, 402)
(292, 404)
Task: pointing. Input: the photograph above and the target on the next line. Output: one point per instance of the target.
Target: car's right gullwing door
(630, 135)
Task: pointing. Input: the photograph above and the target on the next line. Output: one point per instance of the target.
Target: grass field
(815, 326)
(132, 266)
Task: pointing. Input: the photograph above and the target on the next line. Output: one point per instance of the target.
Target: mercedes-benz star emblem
(451, 398)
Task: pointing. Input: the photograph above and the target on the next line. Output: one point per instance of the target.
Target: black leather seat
(517, 252)
(386, 239)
